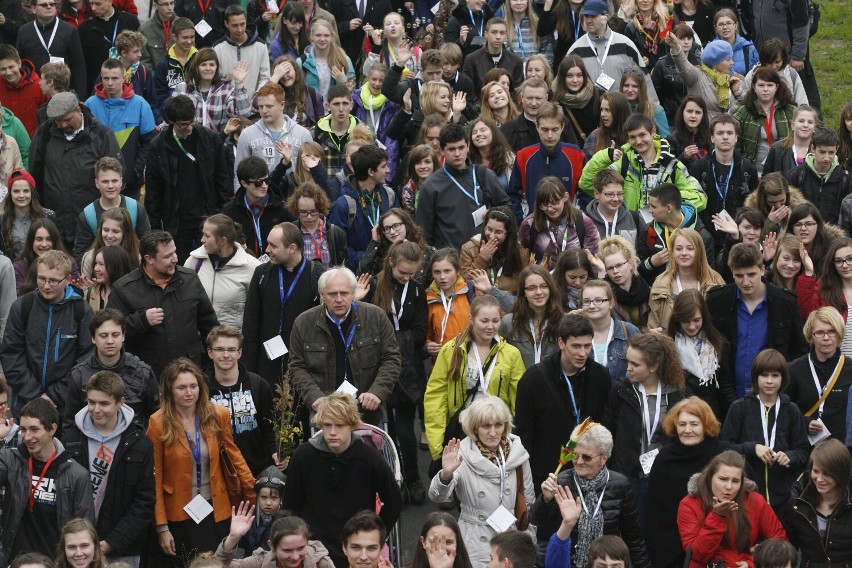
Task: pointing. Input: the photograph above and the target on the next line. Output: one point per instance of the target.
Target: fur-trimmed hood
(796, 198)
(692, 485)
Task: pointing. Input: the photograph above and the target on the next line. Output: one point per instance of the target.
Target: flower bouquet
(288, 428)
(567, 453)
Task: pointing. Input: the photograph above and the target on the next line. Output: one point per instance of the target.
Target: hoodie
(253, 51)
(628, 224)
(102, 448)
(258, 140)
(827, 191)
(654, 240)
(168, 74)
(333, 146)
(12, 126)
(25, 97)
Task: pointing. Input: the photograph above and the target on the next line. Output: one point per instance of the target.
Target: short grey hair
(485, 409)
(337, 271)
(597, 437)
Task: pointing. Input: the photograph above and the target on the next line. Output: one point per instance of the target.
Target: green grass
(831, 56)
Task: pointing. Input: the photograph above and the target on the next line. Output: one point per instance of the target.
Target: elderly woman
(820, 380)
(608, 503)
(486, 470)
(695, 430)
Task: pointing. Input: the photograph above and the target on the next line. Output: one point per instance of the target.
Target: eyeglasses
(47, 5)
(595, 302)
(49, 281)
(843, 261)
(724, 24)
(805, 225)
(542, 287)
(550, 204)
(185, 124)
(618, 195)
(258, 182)
(825, 333)
(615, 266)
(585, 457)
(388, 229)
(309, 213)
(228, 350)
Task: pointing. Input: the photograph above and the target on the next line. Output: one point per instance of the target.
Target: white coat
(227, 287)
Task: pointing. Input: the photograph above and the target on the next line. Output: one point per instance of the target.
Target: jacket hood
(25, 453)
(240, 257)
(692, 485)
(324, 123)
(318, 442)
(6, 118)
(28, 75)
(809, 160)
(215, 387)
(740, 42)
(796, 199)
(593, 212)
(433, 293)
(71, 293)
(83, 420)
(251, 32)
(173, 55)
(127, 91)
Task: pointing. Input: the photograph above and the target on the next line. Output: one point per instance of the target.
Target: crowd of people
(586, 264)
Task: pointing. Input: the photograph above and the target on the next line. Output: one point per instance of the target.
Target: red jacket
(704, 532)
(810, 299)
(26, 97)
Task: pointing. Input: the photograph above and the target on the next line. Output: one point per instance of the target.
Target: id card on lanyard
(484, 377)
(398, 315)
(347, 339)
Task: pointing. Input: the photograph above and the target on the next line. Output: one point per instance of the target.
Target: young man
(35, 512)
(46, 333)
(493, 54)
(821, 179)
(109, 181)
(246, 395)
(356, 18)
(365, 199)
(454, 199)
(754, 315)
(170, 70)
(512, 549)
(458, 80)
(113, 447)
(158, 31)
(394, 88)
(332, 131)
(238, 45)
(129, 45)
(644, 162)
(359, 472)
(467, 23)
(608, 211)
(725, 176)
(522, 131)
(668, 213)
(609, 551)
(129, 116)
(142, 392)
(20, 89)
(98, 35)
(550, 157)
(55, 79)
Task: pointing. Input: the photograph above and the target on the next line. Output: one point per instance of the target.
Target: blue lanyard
(256, 222)
(473, 21)
(455, 181)
(196, 450)
(573, 400)
(114, 34)
(347, 341)
(577, 21)
(289, 292)
(724, 194)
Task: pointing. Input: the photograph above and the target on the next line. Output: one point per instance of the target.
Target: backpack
(28, 302)
(132, 207)
(353, 205)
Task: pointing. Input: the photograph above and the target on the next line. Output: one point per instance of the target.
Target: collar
(765, 293)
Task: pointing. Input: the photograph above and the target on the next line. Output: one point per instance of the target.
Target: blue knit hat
(716, 52)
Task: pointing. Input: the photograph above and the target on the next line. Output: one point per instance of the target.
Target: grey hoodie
(626, 224)
(102, 448)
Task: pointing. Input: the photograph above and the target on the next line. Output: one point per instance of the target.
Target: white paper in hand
(819, 436)
(198, 509)
(501, 519)
(348, 388)
(275, 348)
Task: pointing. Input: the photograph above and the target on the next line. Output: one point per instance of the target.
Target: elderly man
(342, 344)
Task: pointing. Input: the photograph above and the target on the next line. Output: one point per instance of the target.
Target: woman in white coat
(224, 268)
(482, 470)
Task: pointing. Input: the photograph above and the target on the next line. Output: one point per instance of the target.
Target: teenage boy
(512, 549)
(521, 131)
(725, 176)
(98, 35)
(668, 213)
(170, 70)
(754, 315)
(109, 181)
(608, 211)
(238, 45)
(55, 79)
(332, 131)
(644, 162)
(493, 54)
(394, 88)
(746, 227)
(821, 179)
(158, 31)
(550, 157)
(119, 457)
(129, 45)
(246, 395)
(142, 392)
(365, 198)
(457, 79)
(20, 89)
(454, 199)
(34, 513)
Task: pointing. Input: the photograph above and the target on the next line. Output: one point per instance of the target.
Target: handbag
(229, 472)
(522, 512)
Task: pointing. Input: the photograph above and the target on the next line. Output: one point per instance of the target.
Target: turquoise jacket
(13, 126)
(309, 66)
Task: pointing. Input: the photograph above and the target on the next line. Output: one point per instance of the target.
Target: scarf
(637, 295)
(573, 301)
(579, 99)
(589, 528)
(698, 357)
(130, 71)
(722, 83)
(648, 27)
(492, 455)
(378, 101)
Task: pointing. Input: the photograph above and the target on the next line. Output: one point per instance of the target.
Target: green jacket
(15, 128)
(748, 137)
(671, 171)
(445, 395)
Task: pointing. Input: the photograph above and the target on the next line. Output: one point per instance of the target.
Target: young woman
(774, 198)
(20, 209)
(555, 225)
(402, 298)
(521, 27)
(620, 263)
(79, 546)
(723, 517)
(496, 250)
(668, 81)
(449, 297)
(385, 44)
(787, 263)
(806, 223)
(323, 242)
(726, 24)
(301, 102)
(395, 226)
(644, 29)
(615, 108)
(116, 229)
(440, 544)
(609, 345)
(690, 140)
(784, 155)
(497, 103)
(844, 133)
(216, 99)
(538, 66)
(474, 365)
(698, 15)
(309, 167)
(111, 263)
(572, 271)
(421, 162)
(42, 237)
(374, 109)
(574, 90)
(700, 347)
(291, 34)
(687, 269)
(834, 284)
(634, 87)
(764, 117)
(429, 133)
(532, 325)
(561, 19)
(326, 64)
(768, 429)
(187, 414)
(775, 54)
(489, 147)
(437, 97)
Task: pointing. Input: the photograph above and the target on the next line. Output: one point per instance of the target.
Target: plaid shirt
(316, 244)
(334, 146)
(750, 126)
(222, 102)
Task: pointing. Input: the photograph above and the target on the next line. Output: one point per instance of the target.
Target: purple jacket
(385, 116)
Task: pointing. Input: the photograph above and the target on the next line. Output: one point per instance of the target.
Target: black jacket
(803, 531)
(274, 213)
(803, 392)
(544, 415)
(128, 506)
(15, 16)
(66, 45)
(215, 16)
(344, 11)
(521, 133)
(547, 25)
(461, 17)
(826, 193)
(669, 84)
(95, 34)
(480, 62)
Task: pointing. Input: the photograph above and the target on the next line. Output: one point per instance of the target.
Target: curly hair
(660, 350)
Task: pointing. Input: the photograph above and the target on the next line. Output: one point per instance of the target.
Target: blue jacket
(616, 351)
(384, 117)
(359, 230)
(744, 48)
(309, 66)
(534, 163)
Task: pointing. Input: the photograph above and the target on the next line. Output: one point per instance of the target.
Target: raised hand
(310, 161)
(286, 151)
(463, 33)
(770, 246)
(338, 74)
(403, 52)
(616, 151)
(725, 224)
(480, 280)
(406, 100)
(363, 287)
(724, 508)
(807, 261)
(671, 41)
(231, 126)
(488, 248)
(281, 70)
(6, 422)
(459, 102)
(569, 507)
(242, 519)
(779, 214)
(240, 72)
(437, 554)
(451, 458)
(597, 263)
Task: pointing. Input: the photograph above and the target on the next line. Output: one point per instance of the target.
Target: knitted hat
(594, 8)
(21, 174)
(716, 52)
(61, 104)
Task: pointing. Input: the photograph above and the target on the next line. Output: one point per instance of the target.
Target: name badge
(479, 216)
(275, 348)
(57, 59)
(202, 28)
(198, 509)
(501, 519)
(604, 81)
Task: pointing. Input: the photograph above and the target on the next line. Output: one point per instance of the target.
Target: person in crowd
(449, 298)
(690, 138)
(210, 32)
(665, 76)
(561, 22)
(206, 426)
(608, 212)
(327, 63)
(522, 35)
(645, 29)
(784, 155)
(775, 553)
(32, 560)
(635, 88)
(489, 148)
(574, 90)
(477, 468)
(466, 25)
(787, 263)
(98, 34)
(395, 226)
(817, 236)
(823, 181)
(336, 453)
(621, 266)
(301, 102)
(108, 265)
(310, 167)
(336, 129)
(239, 46)
(573, 269)
(775, 199)
(14, 17)
(20, 210)
(722, 498)
(835, 279)
(844, 134)
(523, 131)
(496, 250)
(355, 22)
(775, 54)
(538, 307)
(372, 108)
(745, 227)
(422, 161)
(744, 53)
(290, 36)
(497, 104)
(695, 431)
(452, 74)
(712, 80)
(614, 110)
(172, 69)
(323, 242)
(701, 349)
(595, 482)
(825, 496)
(385, 42)
(493, 53)
(32, 519)
(79, 545)
(157, 30)
(436, 98)
(439, 536)
(612, 335)
(20, 88)
(215, 96)
(513, 549)
(120, 460)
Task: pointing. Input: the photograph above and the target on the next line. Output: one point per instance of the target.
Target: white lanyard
(537, 344)
(768, 439)
(398, 316)
(679, 285)
(373, 116)
(649, 427)
(607, 232)
(820, 389)
(484, 379)
(606, 49)
(608, 341)
(564, 238)
(41, 37)
(600, 499)
(448, 307)
(501, 465)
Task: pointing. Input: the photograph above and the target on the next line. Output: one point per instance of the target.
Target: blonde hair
(339, 407)
(429, 97)
(485, 109)
(702, 269)
(336, 56)
(509, 16)
(485, 409)
(619, 245)
(827, 315)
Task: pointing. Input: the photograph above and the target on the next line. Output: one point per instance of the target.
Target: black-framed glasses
(49, 281)
(594, 302)
(46, 4)
(388, 229)
(258, 182)
(825, 333)
(843, 261)
(805, 225)
(308, 213)
(615, 266)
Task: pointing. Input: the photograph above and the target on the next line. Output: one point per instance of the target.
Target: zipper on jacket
(46, 347)
(56, 345)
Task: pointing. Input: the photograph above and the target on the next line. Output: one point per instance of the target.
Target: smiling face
(575, 352)
(574, 79)
(163, 265)
(291, 549)
(788, 264)
(486, 324)
(692, 326)
(100, 274)
(610, 198)
(536, 291)
(320, 35)
(104, 409)
(394, 229)
(10, 70)
(497, 98)
(824, 483)
(445, 275)
(690, 430)
(375, 80)
(443, 100)
(726, 482)
(684, 252)
(42, 242)
(641, 140)
(424, 168)
(21, 194)
(804, 124)
(363, 549)
(79, 549)
(749, 232)
(495, 229)
(481, 135)
(536, 68)
(207, 70)
(111, 232)
(726, 28)
(589, 461)
(184, 40)
(225, 353)
(630, 89)
(37, 438)
(597, 305)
